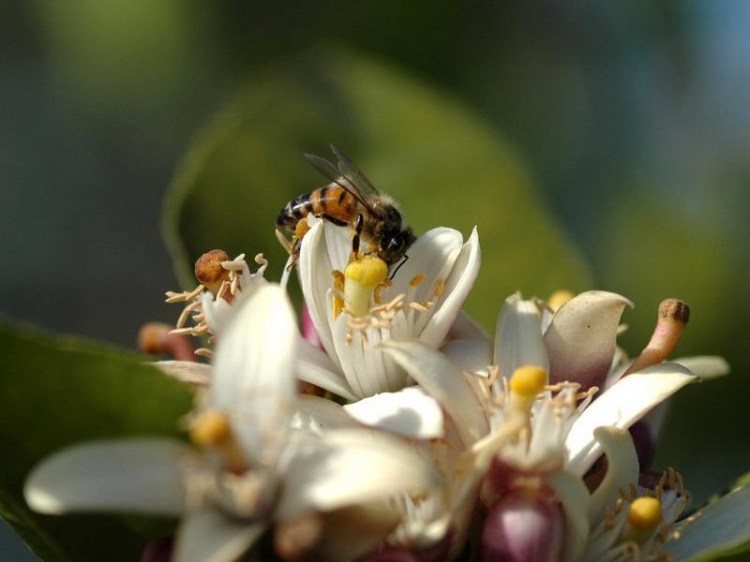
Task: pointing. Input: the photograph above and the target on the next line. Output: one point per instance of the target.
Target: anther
(559, 298)
(525, 384)
(673, 317)
(416, 280)
(211, 429)
(439, 288)
(155, 338)
(209, 270)
(644, 517)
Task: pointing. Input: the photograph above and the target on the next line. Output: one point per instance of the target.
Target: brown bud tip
(674, 310)
(208, 270)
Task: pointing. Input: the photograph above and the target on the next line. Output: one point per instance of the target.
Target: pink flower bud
(523, 527)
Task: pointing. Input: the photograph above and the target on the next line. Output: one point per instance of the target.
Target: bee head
(394, 244)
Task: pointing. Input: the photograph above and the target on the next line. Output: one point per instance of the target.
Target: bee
(349, 200)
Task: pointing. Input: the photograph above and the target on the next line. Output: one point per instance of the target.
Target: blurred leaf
(58, 391)
(443, 163)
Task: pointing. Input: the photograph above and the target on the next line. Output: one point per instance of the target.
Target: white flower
(421, 303)
(269, 458)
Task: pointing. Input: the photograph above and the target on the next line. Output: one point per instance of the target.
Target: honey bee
(350, 199)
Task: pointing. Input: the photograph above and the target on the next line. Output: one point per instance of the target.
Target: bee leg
(395, 271)
(359, 225)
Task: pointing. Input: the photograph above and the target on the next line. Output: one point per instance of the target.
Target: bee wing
(350, 171)
(336, 175)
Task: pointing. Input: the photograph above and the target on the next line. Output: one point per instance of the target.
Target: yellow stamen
(559, 298)
(211, 429)
(416, 280)
(528, 381)
(644, 517)
(362, 277)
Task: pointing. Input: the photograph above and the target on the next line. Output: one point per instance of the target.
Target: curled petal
(581, 340)
(210, 535)
(349, 467)
(433, 329)
(316, 367)
(706, 367)
(409, 412)
(319, 414)
(574, 500)
(620, 406)
(141, 475)
(472, 355)
(622, 468)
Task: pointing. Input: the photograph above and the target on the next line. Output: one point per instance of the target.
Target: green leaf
(442, 162)
(62, 390)
(721, 528)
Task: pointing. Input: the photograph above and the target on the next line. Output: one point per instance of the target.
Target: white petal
(409, 412)
(350, 467)
(706, 367)
(433, 255)
(189, 372)
(719, 527)
(210, 536)
(445, 381)
(466, 328)
(254, 370)
(315, 269)
(622, 468)
(318, 414)
(138, 475)
(518, 336)
(457, 286)
(620, 406)
(582, 338)
(315, 366)
(472, 355)
(574, 498)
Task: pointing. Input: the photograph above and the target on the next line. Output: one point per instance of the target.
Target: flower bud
(523, 527)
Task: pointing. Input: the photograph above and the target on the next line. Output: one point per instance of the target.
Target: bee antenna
(403, 261)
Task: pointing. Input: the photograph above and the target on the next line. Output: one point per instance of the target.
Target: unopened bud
(523, 527)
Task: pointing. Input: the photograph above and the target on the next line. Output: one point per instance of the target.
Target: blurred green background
(622, 128)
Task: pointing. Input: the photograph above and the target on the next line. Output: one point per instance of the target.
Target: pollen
(645, 513)
(559, 298)
(528, 381)
(209, 270)
(362, 276)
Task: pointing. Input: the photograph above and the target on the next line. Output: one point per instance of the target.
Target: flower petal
(349, 467)
(574, 499)
(472, 355)
(189, 372)
(582, 338)
(719, 527)
(459, 282)
(409, 412)
(622, 468)
(518, 336)
(706, 367)
(319, 414)
(621, 405)
(443, 380)
(315, 366)
(210, 536)
(141, 475)
(465, 327)
(254, 367)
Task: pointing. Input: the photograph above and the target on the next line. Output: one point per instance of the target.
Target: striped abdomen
(333, 203)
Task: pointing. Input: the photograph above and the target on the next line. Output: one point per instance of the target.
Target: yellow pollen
(528, 381)
(416, 280)
(211, 429)
(645, 513)
(362, 276)
(439, 287)
(559, 298)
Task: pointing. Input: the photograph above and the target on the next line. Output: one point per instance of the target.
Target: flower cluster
(394, 429)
